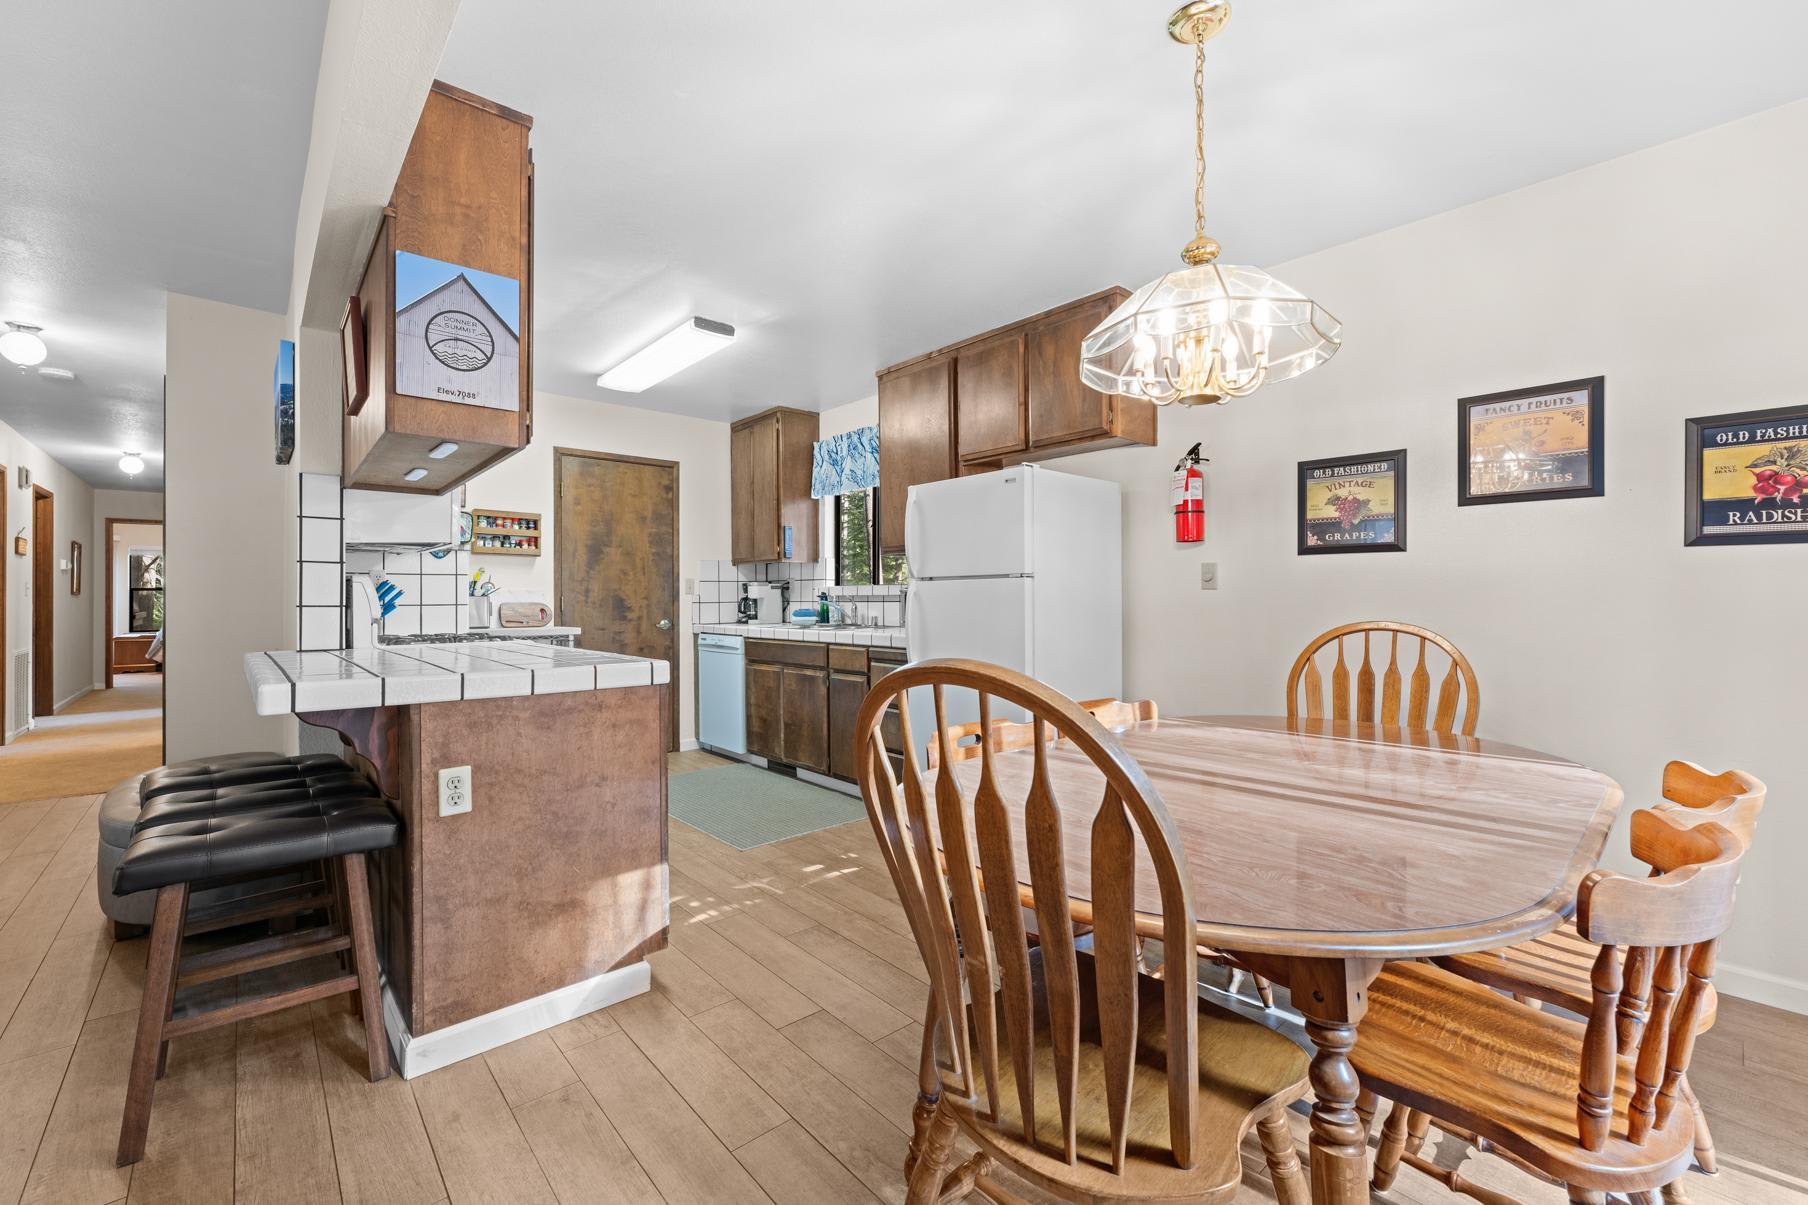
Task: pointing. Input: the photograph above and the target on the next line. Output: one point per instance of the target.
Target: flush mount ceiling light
(440, 451)
(414, 474)
(671, 353)
(131, 464)
(21, 345)
(1210, 331)
(56, 374)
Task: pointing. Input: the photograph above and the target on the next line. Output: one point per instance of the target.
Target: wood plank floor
(774, 1061)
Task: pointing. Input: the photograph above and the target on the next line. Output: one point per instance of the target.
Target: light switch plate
(1208, 575)
(455, 790)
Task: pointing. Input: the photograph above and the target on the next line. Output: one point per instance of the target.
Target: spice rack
(505, 532)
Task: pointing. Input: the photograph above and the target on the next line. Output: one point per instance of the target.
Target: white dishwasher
(722, 693)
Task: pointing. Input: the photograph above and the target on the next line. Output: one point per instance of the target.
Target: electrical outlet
(455, 791)
(1208, 575)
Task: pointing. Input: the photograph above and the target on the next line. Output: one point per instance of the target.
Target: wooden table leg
(1332, 994)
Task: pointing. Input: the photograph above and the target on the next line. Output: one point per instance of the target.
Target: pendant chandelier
(1209, 332)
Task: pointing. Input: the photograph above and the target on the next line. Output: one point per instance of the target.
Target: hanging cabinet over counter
(771, 514)
(465, 198)
(1010, 395)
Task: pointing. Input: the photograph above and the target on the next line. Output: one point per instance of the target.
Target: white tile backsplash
(401, 562)
(321, 584)
(319, 496)
(403, 621)
(321, 628)
(441, 619)
(320, 568)
(410, 586)
(439, 590)
(320, 540)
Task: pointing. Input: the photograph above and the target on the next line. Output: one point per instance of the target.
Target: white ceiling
(852, 184)
(147, 149)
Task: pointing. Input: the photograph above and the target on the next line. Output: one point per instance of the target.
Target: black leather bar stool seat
(208, 833)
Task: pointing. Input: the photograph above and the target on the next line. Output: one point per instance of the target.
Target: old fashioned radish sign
(1747, 475)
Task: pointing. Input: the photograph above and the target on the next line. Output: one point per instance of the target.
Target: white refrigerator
(1023, 568)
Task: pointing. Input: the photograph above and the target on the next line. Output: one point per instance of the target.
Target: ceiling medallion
(1211, 331)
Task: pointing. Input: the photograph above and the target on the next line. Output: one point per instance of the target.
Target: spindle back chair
(1066, 1063)
(963, 739)
(1404, 698)
(1490, 1067)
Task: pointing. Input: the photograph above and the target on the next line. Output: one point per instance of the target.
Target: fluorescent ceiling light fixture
(441, 451)
(671, 353)
(57, 374)
(131, 464)
(21, 345)
(414, 474)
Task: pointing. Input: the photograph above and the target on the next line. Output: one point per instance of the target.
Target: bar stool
(181, 844)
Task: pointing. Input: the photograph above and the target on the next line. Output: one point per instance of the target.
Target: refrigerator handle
(910, 522)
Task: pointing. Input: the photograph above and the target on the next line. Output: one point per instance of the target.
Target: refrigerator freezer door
(983, 618)
(970, 526)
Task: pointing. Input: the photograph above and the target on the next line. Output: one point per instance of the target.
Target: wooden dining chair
(1569, 1101)
(1088, 1079)
(963, 739)
(1357, 650)
(1556, 969)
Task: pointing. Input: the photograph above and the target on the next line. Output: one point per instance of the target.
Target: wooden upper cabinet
(989, 414)
(916, 438)
(465, 198)
(1064, 409)
(769, 486)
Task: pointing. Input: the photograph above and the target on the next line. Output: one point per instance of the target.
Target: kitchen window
(858, 561)
(144, 597)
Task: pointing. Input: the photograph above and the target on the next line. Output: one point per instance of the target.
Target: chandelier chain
(1199, 131)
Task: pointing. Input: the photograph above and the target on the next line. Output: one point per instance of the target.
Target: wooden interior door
(43, 601)
(615, 546)
(6, 656)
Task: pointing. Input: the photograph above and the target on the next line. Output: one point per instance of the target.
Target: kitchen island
(529, 888)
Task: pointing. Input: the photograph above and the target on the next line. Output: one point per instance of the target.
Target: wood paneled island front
(541, 902)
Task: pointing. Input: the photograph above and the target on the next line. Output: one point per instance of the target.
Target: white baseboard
(86, 690)
(833, 784)
(1762, 987)
(751, 759)
(443, 1047)
(687, 746)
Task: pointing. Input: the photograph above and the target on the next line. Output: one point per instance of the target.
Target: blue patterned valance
(844, 463)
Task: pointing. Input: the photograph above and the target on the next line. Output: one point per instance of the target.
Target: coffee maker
(763, 602)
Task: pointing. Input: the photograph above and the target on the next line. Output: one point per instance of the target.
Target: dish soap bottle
(822, 607)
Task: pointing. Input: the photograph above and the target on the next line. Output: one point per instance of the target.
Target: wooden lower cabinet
(806, 719)
(846, 692)
(765, 710)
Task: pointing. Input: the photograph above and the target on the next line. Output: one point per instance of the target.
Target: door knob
(664, 625)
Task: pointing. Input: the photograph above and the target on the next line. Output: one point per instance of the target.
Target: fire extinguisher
(1188, 493)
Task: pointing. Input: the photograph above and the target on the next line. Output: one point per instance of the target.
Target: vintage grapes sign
(1746, 476)
(1526, 444)
(1353, 503)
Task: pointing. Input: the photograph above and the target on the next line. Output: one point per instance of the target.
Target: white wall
(524, 482)
(229, 569)
(112, 504)
(71, 615)
(1676, 273)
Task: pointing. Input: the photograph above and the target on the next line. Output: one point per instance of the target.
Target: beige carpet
(88, 746)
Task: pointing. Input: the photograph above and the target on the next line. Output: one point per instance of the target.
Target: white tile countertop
(286, 682)
(872, 637)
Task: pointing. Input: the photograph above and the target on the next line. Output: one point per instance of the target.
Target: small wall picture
(1744, 478)
(1526, 444)
(353, 356)
(1353, 503)
(75, 566)
(457, 333)
(285, 401)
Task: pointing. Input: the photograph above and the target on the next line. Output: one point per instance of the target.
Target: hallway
(89, 746)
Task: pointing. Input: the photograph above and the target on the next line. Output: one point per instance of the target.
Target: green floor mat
(747, 807)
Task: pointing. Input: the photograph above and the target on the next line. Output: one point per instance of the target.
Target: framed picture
(354, 357)
(457, 333)
(1526, 444)
(285, 401)
(1744, 478)
(1353, 503)
(75, 566)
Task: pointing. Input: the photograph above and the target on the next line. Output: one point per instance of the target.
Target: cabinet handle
(664, 625)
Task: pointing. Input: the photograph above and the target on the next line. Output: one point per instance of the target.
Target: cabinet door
(989, 398)
(753, 491)
(806, 722)
(890, 730)
(795, 441)
(916, 443)
(846, 693)
(765, 710)
(1061, 407)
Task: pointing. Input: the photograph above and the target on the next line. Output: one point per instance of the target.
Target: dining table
(1320, 850)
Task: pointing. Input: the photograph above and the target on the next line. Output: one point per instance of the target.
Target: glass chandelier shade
(1205, 334)
(1211, 331)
